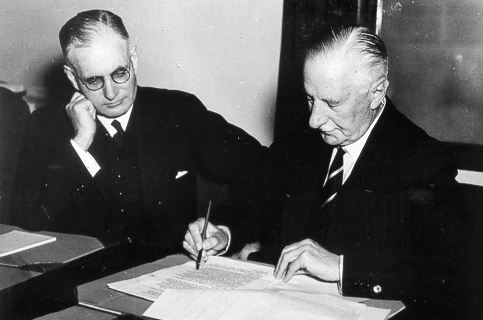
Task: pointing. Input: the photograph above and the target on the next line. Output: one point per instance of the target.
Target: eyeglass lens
(119, 76)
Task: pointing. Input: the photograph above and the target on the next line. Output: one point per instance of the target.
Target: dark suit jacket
(175, 133)
(396, 219)
(14, 113)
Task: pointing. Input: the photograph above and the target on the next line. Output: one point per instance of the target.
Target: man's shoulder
(164, 96)
(304, 149)
(166, 103)
(407, 146)
(402, 134)
(11, 103)
(48, 113)
(50, 118)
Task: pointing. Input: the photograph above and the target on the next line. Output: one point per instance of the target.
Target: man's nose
(110, 89)
(317, 116)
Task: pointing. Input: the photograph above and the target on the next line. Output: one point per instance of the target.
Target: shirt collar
(355, 149)
(123, 120)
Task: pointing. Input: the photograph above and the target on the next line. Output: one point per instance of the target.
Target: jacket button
(377, 289)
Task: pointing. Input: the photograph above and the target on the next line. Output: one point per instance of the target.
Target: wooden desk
(77, 312)
(25, 285)
(97, 293)
(72, 260)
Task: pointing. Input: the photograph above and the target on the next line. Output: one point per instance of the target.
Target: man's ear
(379, 92)
(134, 58)
(70, 74)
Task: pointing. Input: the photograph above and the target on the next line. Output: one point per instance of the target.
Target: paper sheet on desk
(218, 273)
(256, 304)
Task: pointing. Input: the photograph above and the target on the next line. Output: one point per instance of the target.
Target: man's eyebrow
(126, 67)
(332, 101)
(337, 101)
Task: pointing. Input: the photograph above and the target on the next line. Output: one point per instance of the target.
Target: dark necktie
(118, 136)
(329, 191)
(334, 178)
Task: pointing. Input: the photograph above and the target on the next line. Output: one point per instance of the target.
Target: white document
(220, 273)
(256, 304)
(243, 290)
(217, 273)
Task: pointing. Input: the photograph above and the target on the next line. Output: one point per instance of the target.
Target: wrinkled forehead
(332, 62)
(102, 56)
(342, 70)
(100, 39)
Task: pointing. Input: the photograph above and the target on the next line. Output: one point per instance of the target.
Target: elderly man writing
(366, 199)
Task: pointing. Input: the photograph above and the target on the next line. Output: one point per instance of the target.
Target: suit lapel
(309, 165)
(153, 143)
(98, 150)
(368, 175)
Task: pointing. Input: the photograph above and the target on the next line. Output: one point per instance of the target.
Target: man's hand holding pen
(215, 242)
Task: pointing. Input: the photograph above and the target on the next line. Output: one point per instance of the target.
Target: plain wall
(224, 51)
(436, 65)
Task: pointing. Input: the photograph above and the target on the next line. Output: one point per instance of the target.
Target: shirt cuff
(91, 164)
(341, 269)
(229, 240)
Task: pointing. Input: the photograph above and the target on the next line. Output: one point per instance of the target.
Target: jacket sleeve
(433, 274)
(221, 151)
(224, 153)
(50, 174)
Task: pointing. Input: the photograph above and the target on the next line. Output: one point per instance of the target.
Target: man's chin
(113, 112)
(330, 140)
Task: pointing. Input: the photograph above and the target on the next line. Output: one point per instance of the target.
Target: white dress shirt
(91, 164)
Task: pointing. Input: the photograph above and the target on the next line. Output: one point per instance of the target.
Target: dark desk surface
(78, 312)
(66, 248)
(21, 290)
(97, 293)
(27, 291)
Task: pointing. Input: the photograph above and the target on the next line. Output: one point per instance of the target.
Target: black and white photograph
(241, 159)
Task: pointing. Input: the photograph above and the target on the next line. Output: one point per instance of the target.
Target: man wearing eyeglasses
(120, 161)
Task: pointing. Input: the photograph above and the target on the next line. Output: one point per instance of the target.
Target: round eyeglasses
(119, 76)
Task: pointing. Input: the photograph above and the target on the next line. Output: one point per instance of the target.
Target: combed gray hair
(79, 30)
(357, 42)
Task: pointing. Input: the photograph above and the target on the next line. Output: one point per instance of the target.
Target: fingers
(215, 243)
(291, 259)
(82, 114)
(92, 111)
(310, 257)
(293, 267)
(77, 96)
(194, 234)
(216, 239)
(80, 104)
(189, 243)
(77, 99)
(289, 254)
(190, 250)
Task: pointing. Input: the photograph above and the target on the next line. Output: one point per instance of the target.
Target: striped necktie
(334, 178)
(329, 191)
